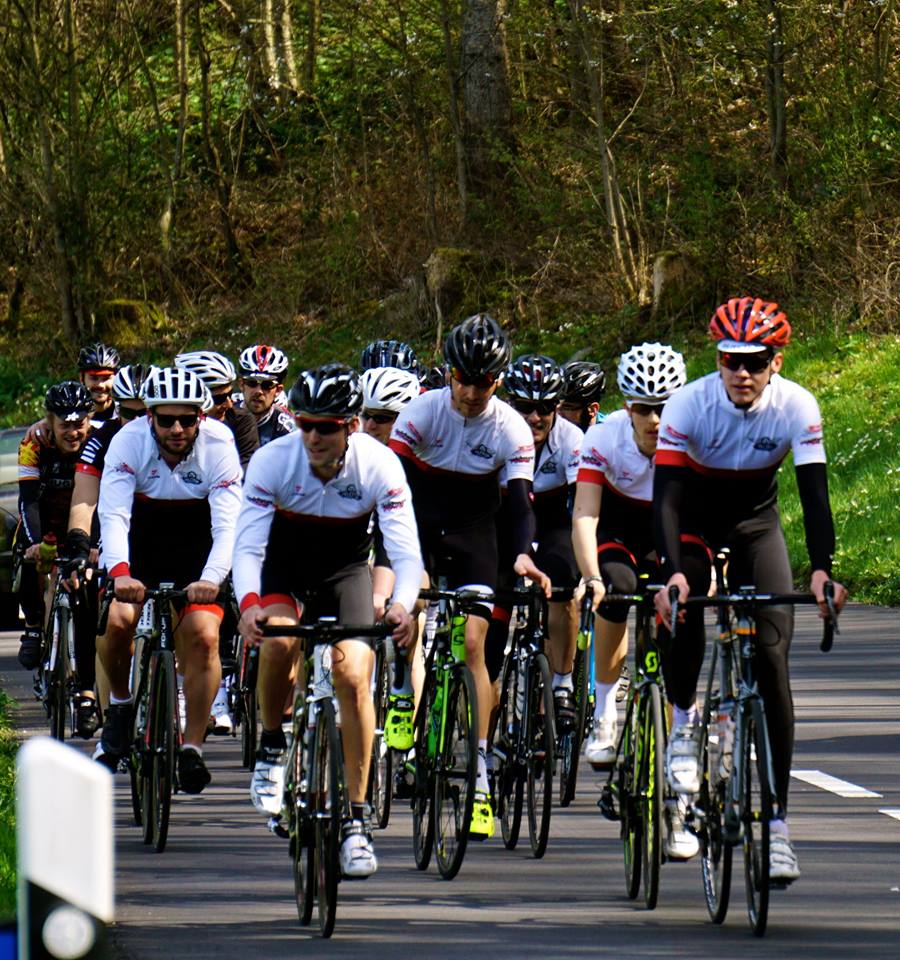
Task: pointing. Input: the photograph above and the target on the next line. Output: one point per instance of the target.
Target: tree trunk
(484, 64)
(312, 46)
(452, 78)
(776, 92)
(287, 46)
(271, 50)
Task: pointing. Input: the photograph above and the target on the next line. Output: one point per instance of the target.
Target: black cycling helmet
(69, 400)
(389, 353)
(331, 390)
(434, 378)
(583, 382)
(534, 377)
(477, 347)
(98, 356)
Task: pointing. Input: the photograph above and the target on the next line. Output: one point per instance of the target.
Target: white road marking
(832, 784)
(891, 813)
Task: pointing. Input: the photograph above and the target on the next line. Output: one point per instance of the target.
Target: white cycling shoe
(222, 724)
(681, 844)
(358, 860)
(601, 747)
(683, 759)
(783, 864)
(267, 783)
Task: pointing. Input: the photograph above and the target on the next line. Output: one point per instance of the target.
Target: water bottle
(725, 728)
(46, 553)
(434, 724)
(458, 637)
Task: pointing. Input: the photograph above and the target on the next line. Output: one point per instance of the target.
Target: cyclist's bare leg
(115, 647)
(351, 671)
(198, 644)
(476, 634)
(277, 657)
(610, 649)
(563, 629)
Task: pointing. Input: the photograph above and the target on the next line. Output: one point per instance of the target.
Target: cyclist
(46, 478)
(612, 531)
(722, 439)
(263, 369)
(454, 442)
(389, 353)
(303, 532)
(584, 384)
(169, 499)
(218, 375)
(533, 385)
(97, 365)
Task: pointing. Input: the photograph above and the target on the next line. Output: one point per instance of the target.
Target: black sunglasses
(645, 409)
(254, 382)
(325, 428)
(168, 420)
(129, 413)
(219, 398)
(484, 382)
(379, 416)
(751, 362)
(543, 408)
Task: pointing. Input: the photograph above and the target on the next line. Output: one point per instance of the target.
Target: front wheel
(539, 744)
(510, 785)
(246, 697)
(423, 773)
(629, 804)
(652, 791)
(380, 782)
(455, 773)
(61, 648)
(329, 807)
(162, 745)
(300, 821)
(715, 849)
(756, 813)
(570, 741)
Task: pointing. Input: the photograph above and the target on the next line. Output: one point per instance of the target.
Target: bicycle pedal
(607, 805)
(276, 826)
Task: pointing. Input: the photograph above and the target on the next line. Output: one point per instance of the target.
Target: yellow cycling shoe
(481, 826)
(398, 725)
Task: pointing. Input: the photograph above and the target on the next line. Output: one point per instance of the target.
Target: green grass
(7, 812)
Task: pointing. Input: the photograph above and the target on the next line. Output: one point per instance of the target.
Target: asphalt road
(223, 889)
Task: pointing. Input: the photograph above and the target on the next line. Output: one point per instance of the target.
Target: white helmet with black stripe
(263, 360)
(175, 385)
(214, 369)
(388, 388)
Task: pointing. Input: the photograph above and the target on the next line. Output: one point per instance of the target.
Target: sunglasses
(324, 428)
(254, 382)
(484, 382)
(168, 420)
(543, 408)
(751, 362)
(645, 409)
(219, 398)
(128, 413)
(377, 416)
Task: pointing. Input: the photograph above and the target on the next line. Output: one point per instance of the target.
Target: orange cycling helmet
(749, 320)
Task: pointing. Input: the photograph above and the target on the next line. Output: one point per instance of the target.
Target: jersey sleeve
(573, 460)
(397, 523)
(224, 506)
(593, 459)
(29, 470)
(519, 450)
(117, 486)
(412, 429)
(675, 431)
(251, 536)
(807, 441)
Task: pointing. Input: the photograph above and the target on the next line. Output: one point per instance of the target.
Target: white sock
(778, 827)
(191, 746)
(605, 705)
(482, 784)
(681, 717)
(562, 681)
(117, 701)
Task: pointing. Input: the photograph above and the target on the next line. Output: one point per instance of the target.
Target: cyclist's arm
(585, 516)
(669, 485)
(254, 521)
(117, 488)
(401, 538)
(812, 484)
(85, 494)
(224, 507)
(523, 525)
(29, 473)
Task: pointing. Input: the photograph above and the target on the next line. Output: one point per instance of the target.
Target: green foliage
(7, 812)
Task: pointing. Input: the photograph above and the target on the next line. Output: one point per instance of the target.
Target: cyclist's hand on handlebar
(202, 591)
(524, 567)
(128, 590)
(817, 589)
(598, 590)
(72, 573)
(32, 553)
(405, 632)
(661, 600)
(249, 626)
(379, 600)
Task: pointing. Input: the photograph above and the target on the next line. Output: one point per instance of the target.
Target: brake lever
(831, 625)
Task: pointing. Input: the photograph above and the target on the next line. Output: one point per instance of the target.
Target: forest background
(316, 173)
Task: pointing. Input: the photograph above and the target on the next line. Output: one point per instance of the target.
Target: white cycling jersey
(328, 518)
(558, 458)
(611, 458)
(135, 469)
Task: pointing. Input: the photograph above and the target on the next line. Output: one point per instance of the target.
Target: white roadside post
(64, 817)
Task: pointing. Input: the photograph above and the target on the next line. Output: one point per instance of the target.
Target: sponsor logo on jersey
(29, 454)
(672, 432)
(259, 501)
(814, 428)
(350, 492)
(394, 492)
(811, 441)
(484, 452)
(393, 505)
(122, 467)
(666, 442)
(153, 475)
(595, 458)
(549, 466)
(411, 433)
(765, 443)
(407, 437)
(229, 482)
(192, 477)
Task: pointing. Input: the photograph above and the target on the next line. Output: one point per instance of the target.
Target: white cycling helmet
(130, 379)
(263, 360)
(177, 386)
(651, 373)
(388, 388)
(212, 368)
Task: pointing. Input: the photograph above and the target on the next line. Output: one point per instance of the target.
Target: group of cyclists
(343, 493)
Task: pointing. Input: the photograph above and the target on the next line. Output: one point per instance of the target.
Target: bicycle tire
(248, 708)
(652, 792)
(455, 773)
(756, 813)
(629, 806)
(715, 850)
(510, 782)
(165, 737)
(540, 743)
(300, 822)
(570, 741)
(423, 786)
(329, 809)
(381, 767)
(58, 699)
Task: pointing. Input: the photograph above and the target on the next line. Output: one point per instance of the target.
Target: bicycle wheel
(423, 779)
(329, 806)
(248, 706)
(569, 744)
(715, 850)
(300, 823)
(756, 812)
(59, 668)
(540, 742)
(455, 772)
(629, 803)
(652, 791)
(380, 774)
(508, 774)
(164, 738)
(136, 753)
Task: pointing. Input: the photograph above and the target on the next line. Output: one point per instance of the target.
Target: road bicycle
(635, 794)
(570, 738)
(445, 738)
(524, 738)
(388, 665)
(736, 802)
(315, 799)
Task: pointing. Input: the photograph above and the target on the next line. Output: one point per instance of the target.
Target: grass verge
(8, 747)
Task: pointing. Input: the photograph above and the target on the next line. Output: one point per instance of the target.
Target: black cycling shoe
(192, 773)
(564, 701)
(114, 740)
(30, 648)
(87, 717)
